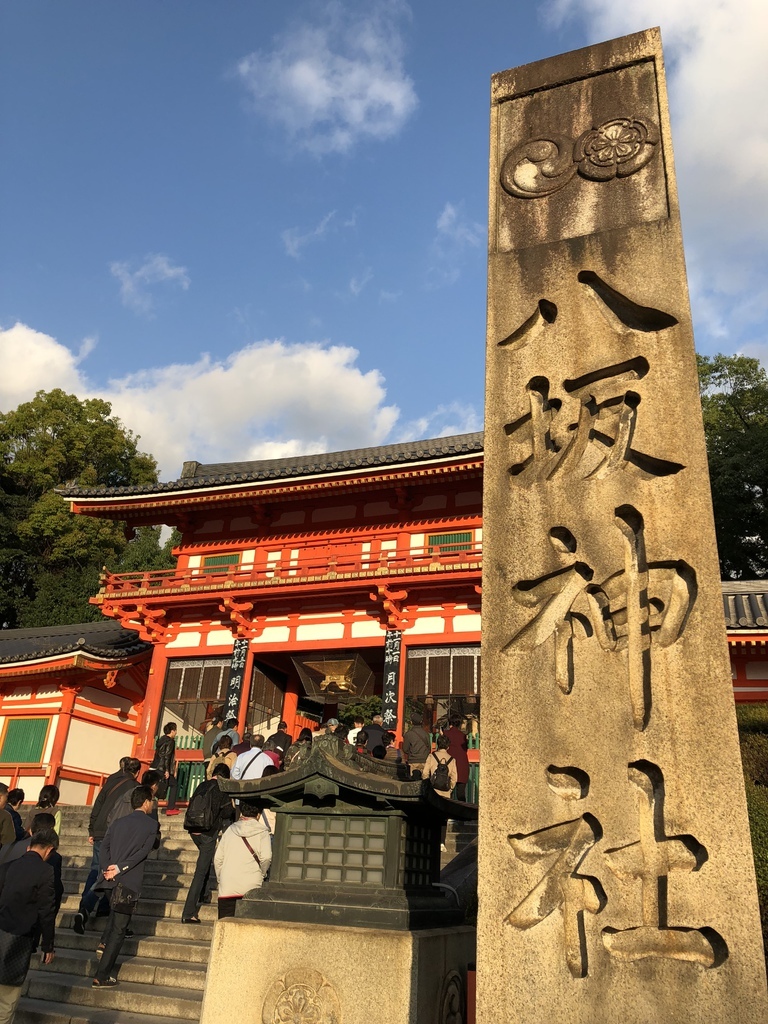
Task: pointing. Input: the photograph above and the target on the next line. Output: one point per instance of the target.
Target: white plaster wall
(325, 515)
(96, 748)
(368, 627)
(73, 792)
(468, 498)
(189, 639)
(428, 625)
(274, 635)
(219, 638)
(50, 739)
(321, 631)
(466, 623)
(757, 670)
(107, 700)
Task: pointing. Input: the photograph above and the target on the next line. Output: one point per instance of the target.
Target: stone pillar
(616, 880)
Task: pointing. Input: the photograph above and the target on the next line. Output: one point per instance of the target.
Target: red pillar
(291, 705)
(69, 695)
(148, 725)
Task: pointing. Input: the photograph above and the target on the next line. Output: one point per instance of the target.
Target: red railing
(308, 564)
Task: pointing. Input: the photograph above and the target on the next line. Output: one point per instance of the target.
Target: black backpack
(441, 777)
(202, 812)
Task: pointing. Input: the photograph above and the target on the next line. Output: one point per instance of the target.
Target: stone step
(172, 890)
(38, 1011)
(164, 927)
(156, 870)
(157, 1000)
(156, 948)
(79, 858)
(148, 907)
(141, 970)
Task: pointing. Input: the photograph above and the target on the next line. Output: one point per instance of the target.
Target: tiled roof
(102, 639)
(745, 603)
(216, 474)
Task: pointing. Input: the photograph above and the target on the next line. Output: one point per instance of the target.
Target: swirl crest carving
(543, 165)
(452, 999)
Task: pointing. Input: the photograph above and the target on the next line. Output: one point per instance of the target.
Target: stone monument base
(331, 974)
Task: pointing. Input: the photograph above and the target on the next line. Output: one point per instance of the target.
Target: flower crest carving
(301, 996)
(545, 164)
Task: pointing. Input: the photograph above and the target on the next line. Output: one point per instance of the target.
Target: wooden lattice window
(24, 740)
(442, 671)
(449, 543)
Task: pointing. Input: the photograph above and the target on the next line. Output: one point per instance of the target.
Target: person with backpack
(242, 857)
(224, 755)
(440, 769)
(209, 812)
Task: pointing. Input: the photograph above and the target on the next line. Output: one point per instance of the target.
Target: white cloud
(456, 235)
(294, 240)
(443, 421)
(266, 400)
(335, 82)
(357, 284)
(135, 284)
(716, 58)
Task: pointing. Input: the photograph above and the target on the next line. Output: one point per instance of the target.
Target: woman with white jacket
(242, 858)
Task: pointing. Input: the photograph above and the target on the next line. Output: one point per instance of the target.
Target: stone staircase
(161, 969)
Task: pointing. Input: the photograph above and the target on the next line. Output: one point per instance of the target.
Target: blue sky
(260, 229)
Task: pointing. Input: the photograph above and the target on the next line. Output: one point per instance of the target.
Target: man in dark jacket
(27, 914)
(282, 739)
(375, 732)
(115, 787)
(165, 762)
(40, 822)
(204, 839)
(124, 851)
(417, 744)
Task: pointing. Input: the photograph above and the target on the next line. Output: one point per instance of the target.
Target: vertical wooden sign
(392, 647)
(616, 880)
(235, 682)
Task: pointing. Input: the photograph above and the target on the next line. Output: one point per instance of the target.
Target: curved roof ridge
(198, 475)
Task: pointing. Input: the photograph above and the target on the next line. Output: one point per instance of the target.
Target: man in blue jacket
(123, 854)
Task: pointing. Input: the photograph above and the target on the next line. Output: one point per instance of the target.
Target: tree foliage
(49, 559)
(734, 397)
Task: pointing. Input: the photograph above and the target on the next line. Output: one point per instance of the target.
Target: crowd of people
(233, 838)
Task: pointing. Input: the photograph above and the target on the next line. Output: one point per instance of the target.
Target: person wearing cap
(417, 744)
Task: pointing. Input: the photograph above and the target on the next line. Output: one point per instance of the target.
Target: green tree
(49, 559)
(734, 397)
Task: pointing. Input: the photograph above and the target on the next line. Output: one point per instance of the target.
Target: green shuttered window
(24, 740)
(220, 561)
(449, 543)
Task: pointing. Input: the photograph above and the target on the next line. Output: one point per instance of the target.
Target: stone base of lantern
(331, 974)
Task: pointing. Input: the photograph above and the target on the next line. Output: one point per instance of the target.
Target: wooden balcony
(306, 567)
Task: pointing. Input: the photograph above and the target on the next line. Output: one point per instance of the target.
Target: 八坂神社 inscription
(603, 633)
